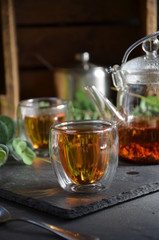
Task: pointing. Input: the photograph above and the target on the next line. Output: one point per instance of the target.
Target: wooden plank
(106, 44)
(151, 16)
(2, 75)
(10, 100)
(148, 16)
(70, 11)
(35, 84)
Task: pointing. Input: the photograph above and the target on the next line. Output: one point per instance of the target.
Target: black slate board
(36, 186)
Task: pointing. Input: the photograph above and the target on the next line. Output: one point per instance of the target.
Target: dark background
(57, 30)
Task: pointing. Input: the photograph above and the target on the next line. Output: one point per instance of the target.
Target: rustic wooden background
(57, 29)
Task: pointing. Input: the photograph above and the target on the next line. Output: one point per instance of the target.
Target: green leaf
(9, 122)
(22, 150)
(83, 108)
(13, 152)
(21, 147)
(28, 156)
(149, 106)
(4, 135)
(4, 151)
(81, 96)
(44, 104)
(143, 105)
(15, 144)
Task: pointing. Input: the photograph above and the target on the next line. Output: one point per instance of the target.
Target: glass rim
(58, 126)
(31, 103)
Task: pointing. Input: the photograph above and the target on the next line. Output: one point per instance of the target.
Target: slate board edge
(84, 209)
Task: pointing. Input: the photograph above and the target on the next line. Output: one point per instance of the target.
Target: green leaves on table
(22, 150)
(149, 106)
(19, 149)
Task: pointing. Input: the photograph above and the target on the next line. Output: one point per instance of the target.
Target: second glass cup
(35, 116)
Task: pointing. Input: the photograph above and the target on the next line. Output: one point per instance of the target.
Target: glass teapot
(137, 111)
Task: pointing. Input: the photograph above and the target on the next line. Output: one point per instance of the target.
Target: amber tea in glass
(84, 154)
(37, 116)
(37, 128)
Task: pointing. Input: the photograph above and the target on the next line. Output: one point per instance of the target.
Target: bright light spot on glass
(99, 73)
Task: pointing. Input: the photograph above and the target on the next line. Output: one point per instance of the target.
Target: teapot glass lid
(146, 63)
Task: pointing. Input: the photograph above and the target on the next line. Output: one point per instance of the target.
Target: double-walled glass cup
(84, 154)
(35, 116)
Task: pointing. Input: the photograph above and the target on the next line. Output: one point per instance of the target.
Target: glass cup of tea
(35, 116)
(84, 154)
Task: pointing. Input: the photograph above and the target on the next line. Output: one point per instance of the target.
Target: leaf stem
(43, 159)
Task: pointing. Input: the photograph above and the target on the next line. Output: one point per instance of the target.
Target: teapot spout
(101, 101)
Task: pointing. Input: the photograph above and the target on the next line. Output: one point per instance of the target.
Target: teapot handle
(137, 43)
